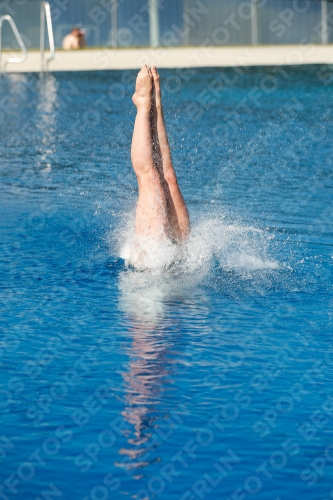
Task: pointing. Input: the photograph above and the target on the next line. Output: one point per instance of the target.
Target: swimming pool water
(212, 379)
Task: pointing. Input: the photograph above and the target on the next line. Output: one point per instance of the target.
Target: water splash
(231, 258)
(212, 242)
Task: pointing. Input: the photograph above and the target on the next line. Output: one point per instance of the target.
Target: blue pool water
(212, 379)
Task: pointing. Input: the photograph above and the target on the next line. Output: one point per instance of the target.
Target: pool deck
(184, 57)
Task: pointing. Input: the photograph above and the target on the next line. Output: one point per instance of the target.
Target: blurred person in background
(82, 38)
(71, 41)
(76, 39)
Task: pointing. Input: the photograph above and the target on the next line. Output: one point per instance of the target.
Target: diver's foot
(143, 89)
(157, 87)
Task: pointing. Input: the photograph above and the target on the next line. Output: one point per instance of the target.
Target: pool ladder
(19, 40)
(45, 12)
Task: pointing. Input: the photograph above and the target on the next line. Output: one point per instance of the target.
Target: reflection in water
(143, 298)
(47, 119)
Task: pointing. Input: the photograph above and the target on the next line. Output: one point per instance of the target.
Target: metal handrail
(19, 40)
(46, 10)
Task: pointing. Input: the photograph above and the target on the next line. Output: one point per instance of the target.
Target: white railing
(45, 11)
(153, 23)
(324, 32)
(19, 40)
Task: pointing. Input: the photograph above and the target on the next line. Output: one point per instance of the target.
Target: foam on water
(218, 253)
(212, 240)
(148, 253)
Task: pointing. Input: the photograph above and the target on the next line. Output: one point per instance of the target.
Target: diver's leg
(175, 232)
(151, 211)
(168, 170)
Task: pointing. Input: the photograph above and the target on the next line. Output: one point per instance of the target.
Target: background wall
(128, 23)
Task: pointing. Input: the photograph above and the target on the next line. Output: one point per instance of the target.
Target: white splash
(212, 241)
(148, 253)
(214, 246)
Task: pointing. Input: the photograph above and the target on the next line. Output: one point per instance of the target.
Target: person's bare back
(71, 41)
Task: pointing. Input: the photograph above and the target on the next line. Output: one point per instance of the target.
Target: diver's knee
(143, 172)
(171, 178)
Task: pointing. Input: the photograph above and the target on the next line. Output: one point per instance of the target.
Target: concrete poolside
(184, 57)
